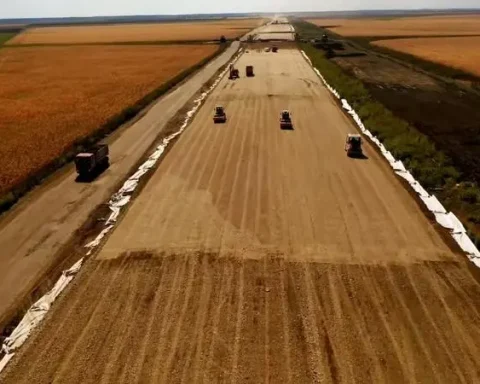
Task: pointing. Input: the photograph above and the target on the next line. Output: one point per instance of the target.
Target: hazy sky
(62, 8)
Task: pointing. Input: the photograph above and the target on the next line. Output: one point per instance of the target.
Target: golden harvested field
(53, 96)
(458, 52)
(137, 32)
(405, 26)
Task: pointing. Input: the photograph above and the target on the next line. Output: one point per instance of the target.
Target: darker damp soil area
(447, 114)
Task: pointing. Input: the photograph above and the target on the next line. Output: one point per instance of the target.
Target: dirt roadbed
(35, 232)
(448, 115)
(204, 318)
(260, 255)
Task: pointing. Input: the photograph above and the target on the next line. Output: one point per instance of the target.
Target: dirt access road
(260, 255)
(276, 30)
(33, 233)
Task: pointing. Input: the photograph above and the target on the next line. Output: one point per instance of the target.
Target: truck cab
(89, 163)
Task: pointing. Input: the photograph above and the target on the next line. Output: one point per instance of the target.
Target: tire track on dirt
(226, 280)
(287, 347)
(267, 323)
(117, 349)
(75, 315)
(434, 324)
(179, 324)
(187, 166)
(466, 294)
(286, 231)
(260, 188)
(144, 359)
(408, 315)
(195, 347)
(360, 314)
(134, 346)
(194, 179)
(82, 352)
(206, 178)
(167, 316)
(227, 182)
(247, 176)
(237, 215)
(402, 360)
(220, 170)
(238, 327)
(232, 216)
(318, 366)
(100, 344)
(470, 349)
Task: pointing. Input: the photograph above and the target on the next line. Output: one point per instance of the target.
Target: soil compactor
(285, 120)
(353, 145)
(219, 115)
(233, 74)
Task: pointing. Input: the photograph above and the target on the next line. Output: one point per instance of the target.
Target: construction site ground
(36, 234)
(255, 254)
(448, 115)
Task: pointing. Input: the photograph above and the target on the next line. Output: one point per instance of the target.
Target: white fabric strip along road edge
(445, 219)
(37, 312)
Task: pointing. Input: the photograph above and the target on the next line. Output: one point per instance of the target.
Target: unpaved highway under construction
(260, 255)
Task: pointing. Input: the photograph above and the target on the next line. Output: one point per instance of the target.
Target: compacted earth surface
(255, 254)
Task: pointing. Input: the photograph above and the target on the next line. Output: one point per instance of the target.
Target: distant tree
(223, 39)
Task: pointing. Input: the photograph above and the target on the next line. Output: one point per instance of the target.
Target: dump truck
(249, 70)
(233, 73)
(219, 115)
(353, 145)
(285, 120)
(92, 162)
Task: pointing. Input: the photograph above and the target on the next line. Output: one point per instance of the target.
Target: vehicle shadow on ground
(91, 177)
(358, 157)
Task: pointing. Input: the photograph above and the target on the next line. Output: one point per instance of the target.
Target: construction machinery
(274, 49)
(233, 73)
(285, 120)
(353, 145)
(219, 116)
(91, 163)
(249, 71)
(328, 45)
